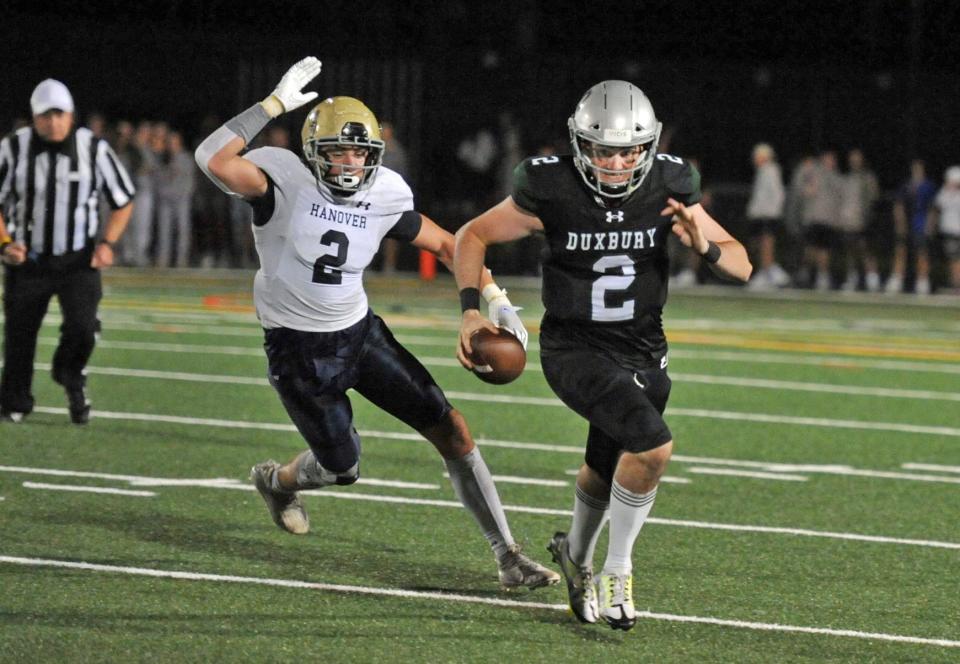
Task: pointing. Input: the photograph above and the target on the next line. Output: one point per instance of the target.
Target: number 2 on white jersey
(325, 268)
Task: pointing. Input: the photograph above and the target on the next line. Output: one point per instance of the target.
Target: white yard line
(87, 489)
(759, 383)
(532, 481)
(664, 479)
(466, 396)
(829, 361)
(213, 483)
(827, 469)
(931, 466)
(467, 599)
(819, 388)
(746, 473)
(204, 349)
(450, 362)
(524, 509)
(814, 421)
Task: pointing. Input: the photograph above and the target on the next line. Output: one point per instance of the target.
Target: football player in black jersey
(606, 212)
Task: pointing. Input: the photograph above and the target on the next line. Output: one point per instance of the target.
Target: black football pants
(26, 296)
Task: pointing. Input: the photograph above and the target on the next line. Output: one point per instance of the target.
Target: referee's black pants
(26, 296)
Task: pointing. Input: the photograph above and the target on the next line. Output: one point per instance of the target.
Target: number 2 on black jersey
(325, 268)
(611, 281)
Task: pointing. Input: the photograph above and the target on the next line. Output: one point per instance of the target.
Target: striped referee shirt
(50, 192)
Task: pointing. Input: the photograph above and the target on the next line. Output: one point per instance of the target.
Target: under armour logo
(614, 216)
(363, 204)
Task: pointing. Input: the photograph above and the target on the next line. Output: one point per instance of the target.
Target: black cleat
(79, 405)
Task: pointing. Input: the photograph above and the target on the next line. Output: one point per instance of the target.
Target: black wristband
(469, 299)
(106, 242)
(712, 254)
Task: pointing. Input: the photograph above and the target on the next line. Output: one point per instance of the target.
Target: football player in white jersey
(318, 221)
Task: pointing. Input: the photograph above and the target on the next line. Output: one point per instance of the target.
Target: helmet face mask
(614, 135)
(336, 132)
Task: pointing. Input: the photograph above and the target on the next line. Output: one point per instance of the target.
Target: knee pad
(349, 477)
(603, 461)
(311, 475)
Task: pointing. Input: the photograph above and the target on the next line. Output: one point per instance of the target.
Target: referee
(51, 178)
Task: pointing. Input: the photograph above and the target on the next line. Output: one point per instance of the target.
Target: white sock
(474, 487)
(589, 515)
(628, 512)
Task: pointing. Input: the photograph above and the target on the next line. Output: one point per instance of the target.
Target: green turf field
(810, 512)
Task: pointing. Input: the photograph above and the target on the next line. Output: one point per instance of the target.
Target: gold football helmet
(343, 122)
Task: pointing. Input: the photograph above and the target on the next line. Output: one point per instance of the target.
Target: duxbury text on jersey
(611, 240)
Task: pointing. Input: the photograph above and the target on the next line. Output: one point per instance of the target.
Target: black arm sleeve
(407, 227)
(263, 205)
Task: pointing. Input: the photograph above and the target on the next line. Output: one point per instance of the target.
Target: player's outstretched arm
(440, 243)
(701, 232)
(505, 222)
(218, 156)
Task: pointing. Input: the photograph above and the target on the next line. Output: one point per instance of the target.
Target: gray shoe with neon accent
(581, 591)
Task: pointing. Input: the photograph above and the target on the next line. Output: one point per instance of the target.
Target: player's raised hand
(685, 226)
(289, 91)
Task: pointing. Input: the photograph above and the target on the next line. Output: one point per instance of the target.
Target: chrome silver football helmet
(614, 116)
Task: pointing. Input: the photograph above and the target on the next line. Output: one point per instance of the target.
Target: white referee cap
(51, 93)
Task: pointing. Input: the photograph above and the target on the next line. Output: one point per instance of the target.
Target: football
(501, 352)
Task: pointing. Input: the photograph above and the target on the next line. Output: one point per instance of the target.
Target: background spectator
(822, 192)
(212, 214)
(394, 158)
(945, 220)
(910, 210)
(860, 193)
(765, 217)
(177, 175)
(136, 250)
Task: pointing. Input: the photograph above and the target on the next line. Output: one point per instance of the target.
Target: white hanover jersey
(315, 246)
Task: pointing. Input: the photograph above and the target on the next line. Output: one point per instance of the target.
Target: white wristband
(491, 292)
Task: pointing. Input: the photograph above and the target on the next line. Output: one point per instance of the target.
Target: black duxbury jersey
(605, 268)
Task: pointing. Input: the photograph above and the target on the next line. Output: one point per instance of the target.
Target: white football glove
(503, 314)
(287, 96)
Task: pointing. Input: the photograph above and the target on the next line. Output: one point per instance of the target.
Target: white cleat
(285, 508)
(616, 600)
(581, 591)
(516, 570)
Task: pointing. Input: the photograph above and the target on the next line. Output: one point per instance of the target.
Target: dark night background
(880, 75)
